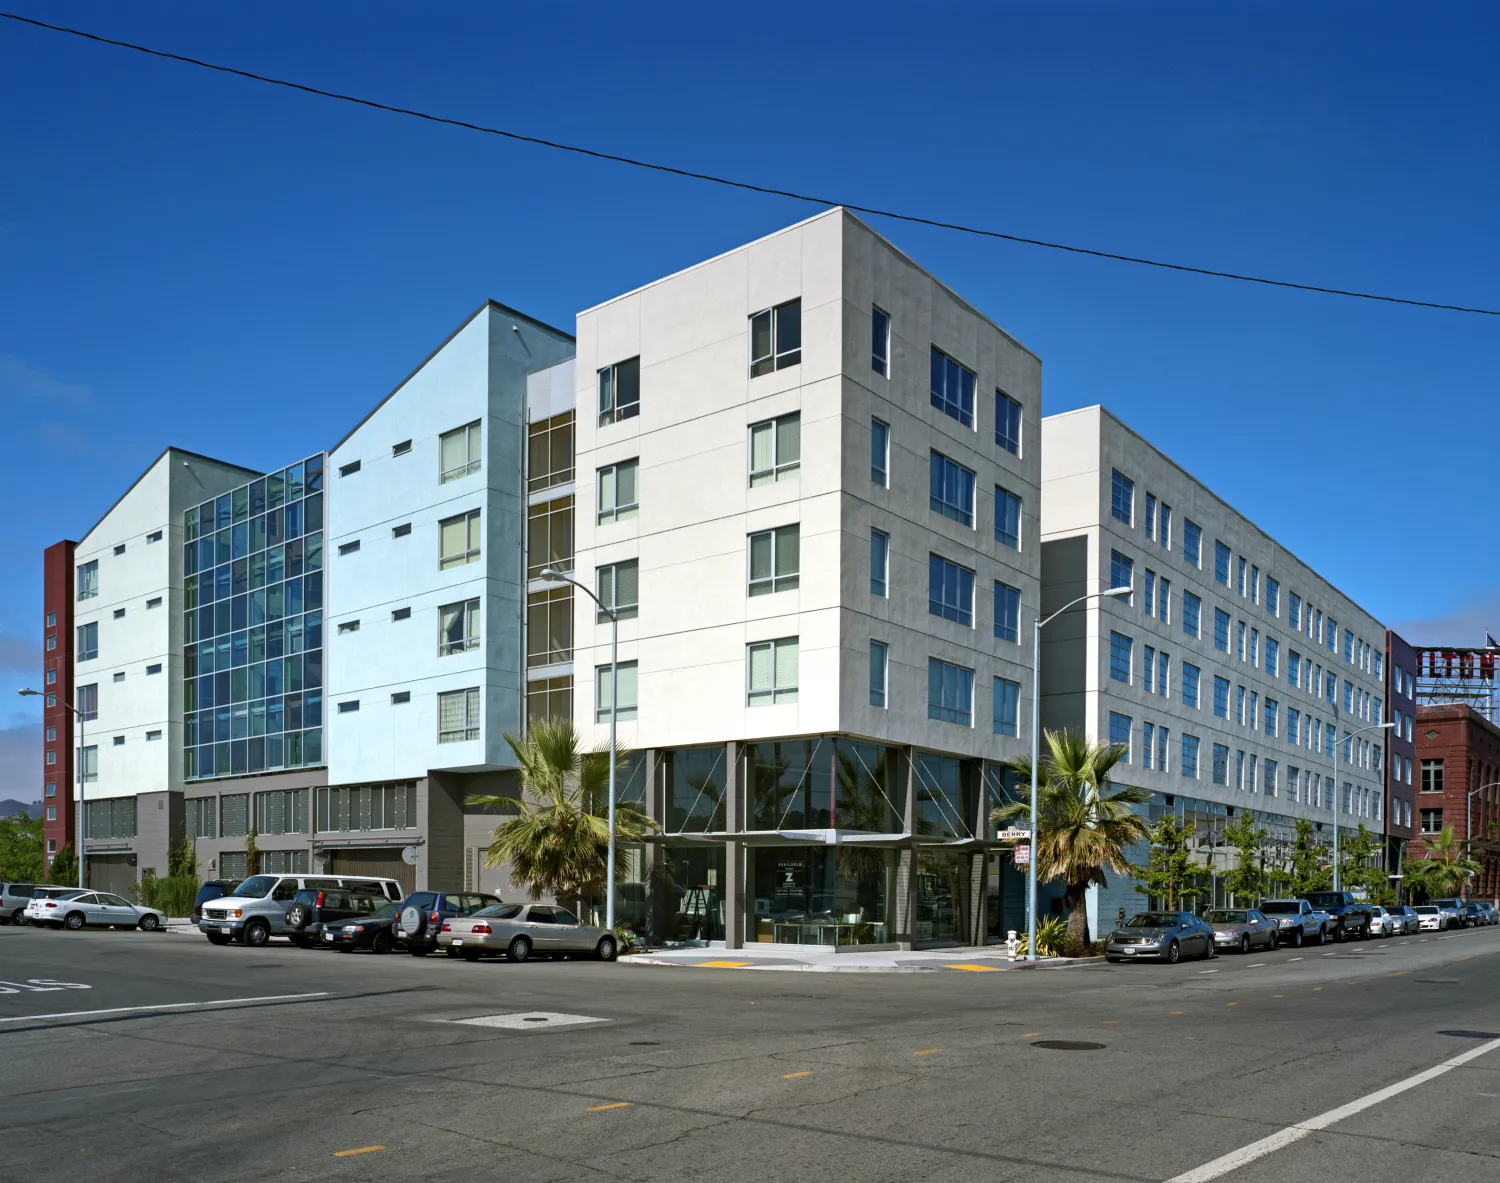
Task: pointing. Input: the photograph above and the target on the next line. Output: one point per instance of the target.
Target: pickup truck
(1297, 921)
(1351, 917)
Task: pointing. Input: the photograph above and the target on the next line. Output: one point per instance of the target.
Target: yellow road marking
(1398, 973)
(977, 969)
(721, 964)
(1231, 1004)
(1031, 1034)
(1278, 995)
(794, 1075)
(616, 1105)
(1316, 989)
(1176, 1012)
(1110, 1022)
(929, 1051)
(1348, 983)
(356, 1150)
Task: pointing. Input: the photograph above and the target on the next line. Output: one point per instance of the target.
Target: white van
(256, 910)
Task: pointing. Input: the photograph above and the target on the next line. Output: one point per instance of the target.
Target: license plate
(226, 928)
(456, 944)
(1129, 952)
(401, 932)
(328, 936)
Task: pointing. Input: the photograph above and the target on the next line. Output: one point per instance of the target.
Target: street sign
(1013, 835)
(1022, 855)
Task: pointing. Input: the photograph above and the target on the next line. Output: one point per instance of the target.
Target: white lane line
(1255, 965)
(1292, 959)
(1293, 1133)
(125, 1010)
(1208, 971)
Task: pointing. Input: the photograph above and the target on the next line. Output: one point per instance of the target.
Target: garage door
(384, 862)
(112, 872)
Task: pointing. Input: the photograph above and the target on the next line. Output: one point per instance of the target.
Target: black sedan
(375, 931)
(1165, 936)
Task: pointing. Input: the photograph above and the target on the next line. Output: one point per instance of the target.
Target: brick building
(1458, 785)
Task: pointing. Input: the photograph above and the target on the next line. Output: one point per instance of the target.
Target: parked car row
(72, 907)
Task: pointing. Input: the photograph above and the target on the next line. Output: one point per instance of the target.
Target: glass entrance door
(694, 890)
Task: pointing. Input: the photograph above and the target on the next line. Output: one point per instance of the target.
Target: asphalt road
(735, 1074)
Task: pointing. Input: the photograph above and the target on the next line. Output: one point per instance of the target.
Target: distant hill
(9, 808)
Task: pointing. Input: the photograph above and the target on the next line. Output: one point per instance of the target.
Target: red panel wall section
(57, 684)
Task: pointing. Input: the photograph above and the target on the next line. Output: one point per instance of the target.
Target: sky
(203, 261)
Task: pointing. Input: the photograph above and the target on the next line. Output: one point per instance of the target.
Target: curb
(805, 967)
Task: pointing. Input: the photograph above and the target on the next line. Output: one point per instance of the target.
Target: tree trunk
(1076, 898)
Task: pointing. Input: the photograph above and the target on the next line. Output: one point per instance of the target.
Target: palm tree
(1085, 824)
(558, 842)
(1444, 868)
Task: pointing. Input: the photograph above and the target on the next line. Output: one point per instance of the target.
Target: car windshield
(1280, 908)
(1426, 910)
(1152, 920)
(255, 887)
(1446, 903)
(1325, 899)
(61, 895)
(499, 912)
(1226, 916)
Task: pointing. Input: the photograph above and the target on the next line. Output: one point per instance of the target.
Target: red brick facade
(58, 742)
(1458, 751)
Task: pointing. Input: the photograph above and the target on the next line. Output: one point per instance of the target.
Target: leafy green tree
(1085, 824)
(1247, 882)
(182, 859)
(64, 869)
(1310, 870)
(558, 842)
(1358, 867)
(1170, 873)
(252, 854)
(21, 848)
(1444, 868)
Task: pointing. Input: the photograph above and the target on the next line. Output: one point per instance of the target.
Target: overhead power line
(735, 184)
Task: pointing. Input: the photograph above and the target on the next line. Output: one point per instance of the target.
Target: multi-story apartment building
(59, 819)
(1458, 787)
(1235, 675)
(1401, 709)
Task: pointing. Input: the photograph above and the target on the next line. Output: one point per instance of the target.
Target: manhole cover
(536, 1020)
(1068, 1045)
(1472, 1034)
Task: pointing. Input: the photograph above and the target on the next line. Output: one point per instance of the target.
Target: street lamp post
(1036, 698)
(614, 702)
(77, 821)
(1353, 735)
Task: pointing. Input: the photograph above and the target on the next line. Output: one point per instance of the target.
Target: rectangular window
(1221, 764)
(620, 391)
(1273, 596)
(952, 489)
(1151, 515)
(549, 536)
(1192, 610)
(88, 765)
(1268, 774)
(1119, 734)
(1239, 770)
(1122, 498)
(775, 560)
(1273, 651)
(1331, 635)
(1148, 668)
(1119, 657)
(349, 548)
(1164, 600)
(549, 627)
(619, 589)
(88, 641)
(459, 540)
(1240, 640)
(119, 613)
(1190, 677)
(154, 602)
(775, 449)
(154, 536)
(880, 342)
(1239, 705)
(950, 591)
(1192, 543)
(618, 495)
(401, 531)
(1432, 776)
(400, 697)
(459, 452)
(1293, 720)
(348, 626)
(1121, 570)
(880, 563)
(1007, 518)
(1242, 569)
(1148, 581)
(880, 672)
(549, 452)
(1272, 711)
(86, 699)
(1163, 740)
(120, 742)
(1221, 563)
(1221, 630)
(776, 338)
(1348, 646)
(1221, 697)
(952, 388)
(880, 453)
(950, 693)
(1007, 612)
(627, 674)
(1189, 764)
(1349, 697)
(1164, 526)
(1432, 821)
(349, 707)
(1148, 744)
(1007, 706)
(1163, 667)
(401, 449)
(153, 669)
(772, 668)
(458, 627)
(1007, 422)
(1254, 584)
(400, 614)
(1294, 667)
(349, 469)
(88, 579)
(458, 715)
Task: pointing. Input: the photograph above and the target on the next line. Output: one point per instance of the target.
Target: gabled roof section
(250, 474)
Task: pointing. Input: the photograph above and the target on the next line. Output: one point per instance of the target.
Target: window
(1293, 719)
(1221, 764)
(1007, 518)
(1164, 526)
(620, 391)
(154, 602)
(880, 672)
(1149, 583)
(1349, 697)
(1432, 776)
(1119, 734)
(1189, 762)
(775, 449)
(1331, 635)
(401, 449)
(1148, 742)
(1121, 570)
(952, 489)
(1007, 706)
(1268, 775)
(366, 807)
(1119, 658)
(400, 697)
(1239, 770)
(88, 764)
(349, 707)
(1007, 612)
(1163, 666)
(1240, 640)
(1190, 676)
(950, 591)
(549, 627)
(1377, 657)
(880, 342)
(51, 757)
(349, 469)
(459, 452)
(549, 452)
(1122, 498)
(1273, 596)
(1272, 710)
(775, 560)
(950, 693)
(549, 536)
(1242, 569)
(52, 620)
(1148, 668)
(771, 668)
(1348, 646)
(458, 715)
(1221, 630)
(153, 669)
(1164, 600)
(1254, 584)
(348, 626)
(1294, 610)
(88, 641)
(349, 548)
(1239, 705)
(776, 338)
(1273, 650)
(52, 677)
(617, 491)
(282, 811)
(51, 734)
(458, 540)
(1432, 821)
(1192, 609)
(154, 536)
(1221, 563)
(401, 531)
(88, 580)
(119, 613)
(1007, 422)
(398, 614)
(952, 388)
(880, 453)
(86, 699)
(1294, 667)
(1163, 738)
(200, 811)
(619, 589)
(880, 562)
(1192, 543)
(1151, 515)
(458, 627)
(1221, 697)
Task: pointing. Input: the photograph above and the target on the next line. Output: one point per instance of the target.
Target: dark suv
(314, 907)
(422, 913)
(1352, 917)
(212, 889)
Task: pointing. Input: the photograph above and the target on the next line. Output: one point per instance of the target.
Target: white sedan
(1432, 918)
(75, 909)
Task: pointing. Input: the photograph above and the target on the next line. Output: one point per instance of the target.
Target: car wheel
(470, 954)
(1174, 953)
(257, 934)
(1297, 937)
(18, 917)
(1245, 943)
(74, 921)
(149, 923)
(1273, 941)
(520, 949)
(383, 943)
(606, 949)
(217, 938)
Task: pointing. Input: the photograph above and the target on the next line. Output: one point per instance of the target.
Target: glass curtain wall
(253, 626)
(801, 784)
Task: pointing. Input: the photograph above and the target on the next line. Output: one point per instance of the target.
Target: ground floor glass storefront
(818, 896)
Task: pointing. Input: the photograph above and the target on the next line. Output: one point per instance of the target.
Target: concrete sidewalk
(978, 959)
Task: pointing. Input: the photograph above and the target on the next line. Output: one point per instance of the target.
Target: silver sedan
(75, 909)
(1241, 929)
(521, 930)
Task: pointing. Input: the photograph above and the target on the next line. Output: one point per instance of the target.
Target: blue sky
(199, 260)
